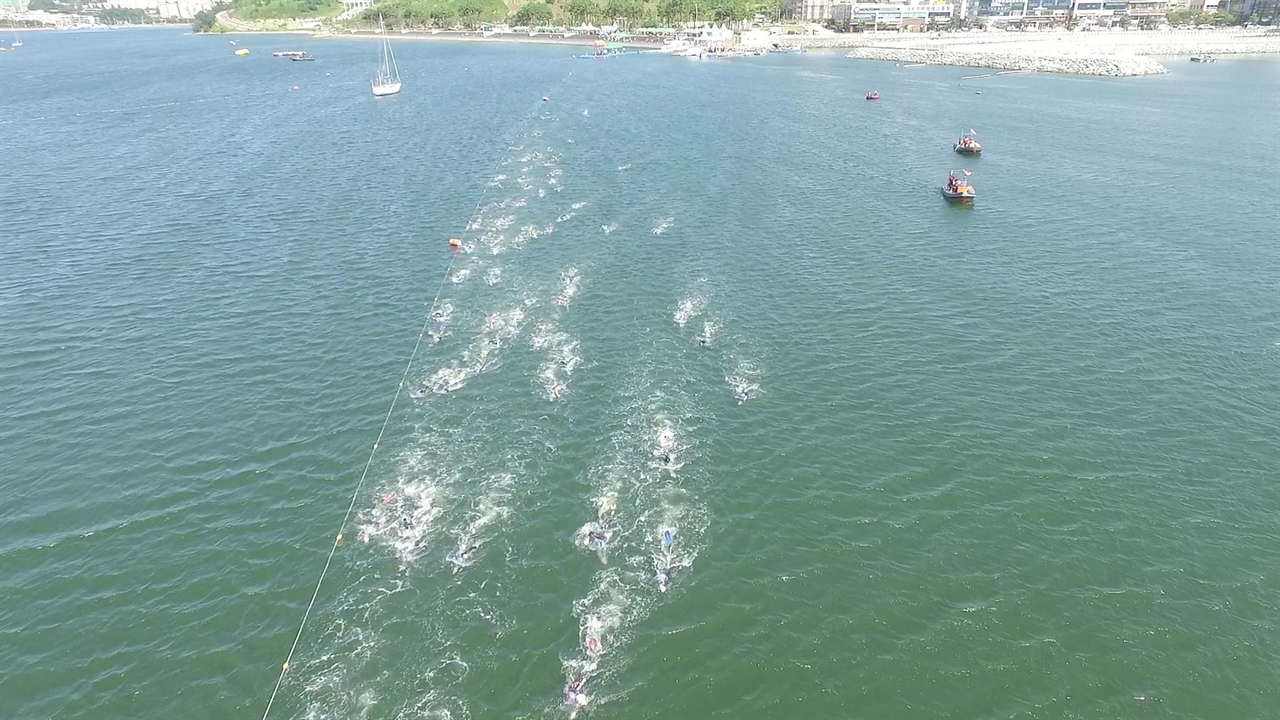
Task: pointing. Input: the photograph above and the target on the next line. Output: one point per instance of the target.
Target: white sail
(388, 80)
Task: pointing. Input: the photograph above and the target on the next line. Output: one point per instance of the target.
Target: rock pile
(1110, 66)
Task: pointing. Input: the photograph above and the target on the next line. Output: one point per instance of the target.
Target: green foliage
(582, 11)
(435, 13)
(632, 11)
(284, 9)
(204, 21)
(533, 14)
(725, 11)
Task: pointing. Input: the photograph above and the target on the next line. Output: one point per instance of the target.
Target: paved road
(231, 23)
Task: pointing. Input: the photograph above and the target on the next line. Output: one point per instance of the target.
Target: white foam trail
(688, 309)
(663, 225)
(743, 380)
(491, 506)
(459, 276)
(609, 228)
(563, 358)
(403, 519)
(708, 333)
(624, 166)
(569, 281)
(578, 205)
(493, 276)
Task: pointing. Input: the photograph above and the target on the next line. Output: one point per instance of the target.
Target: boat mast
(395, 71)
(385, 72)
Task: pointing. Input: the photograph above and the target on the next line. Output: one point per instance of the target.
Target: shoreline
(452, 36)
(1109, 54)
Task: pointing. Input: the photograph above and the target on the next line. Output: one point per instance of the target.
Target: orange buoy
(455, 243)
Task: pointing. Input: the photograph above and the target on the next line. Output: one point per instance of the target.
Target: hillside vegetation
(278, 9)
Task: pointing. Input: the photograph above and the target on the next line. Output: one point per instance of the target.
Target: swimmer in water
(573, 695)
(593, 645)
(600, 539)
(463, 558)
(663, 576)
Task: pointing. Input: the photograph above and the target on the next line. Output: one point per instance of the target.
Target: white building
(57, 20)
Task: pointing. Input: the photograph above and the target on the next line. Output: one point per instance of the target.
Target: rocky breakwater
(1011, 59)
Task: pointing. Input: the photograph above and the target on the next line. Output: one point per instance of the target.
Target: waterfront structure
(167, 9)
(61, 21)
(893, 16)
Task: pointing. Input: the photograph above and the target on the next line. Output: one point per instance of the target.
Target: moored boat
(303, 58)
(388, 80)
(289, 53)
(958, 188)
(873, 95)
(968, 144)
(1203, 58)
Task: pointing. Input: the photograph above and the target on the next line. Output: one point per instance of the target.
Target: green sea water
(1012, 460)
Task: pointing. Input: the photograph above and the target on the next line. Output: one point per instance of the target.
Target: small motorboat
(873, 95)
(968, 144)
(303, 58)
(289, 53)
(958, 188)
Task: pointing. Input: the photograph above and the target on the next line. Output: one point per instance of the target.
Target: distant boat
(242, 52)
(958, 188)
(873, 95)
(968, 144)
(17, 41)
(289, 53)
(302, 58)
(1194, 58)
(388, 80)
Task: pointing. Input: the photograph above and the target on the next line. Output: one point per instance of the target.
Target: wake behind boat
(388, 80)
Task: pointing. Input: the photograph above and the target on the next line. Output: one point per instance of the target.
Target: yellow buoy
(242, 51)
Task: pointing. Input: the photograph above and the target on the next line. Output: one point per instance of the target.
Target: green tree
(772, 9)
(204, 22)
(1181, 16)
(627, 12)
(441, 16)
(469, 11)
(533, 14)
(582, 11)
(674, 11)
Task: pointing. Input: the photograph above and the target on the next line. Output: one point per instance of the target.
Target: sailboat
(17, 41)
(388, 80)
